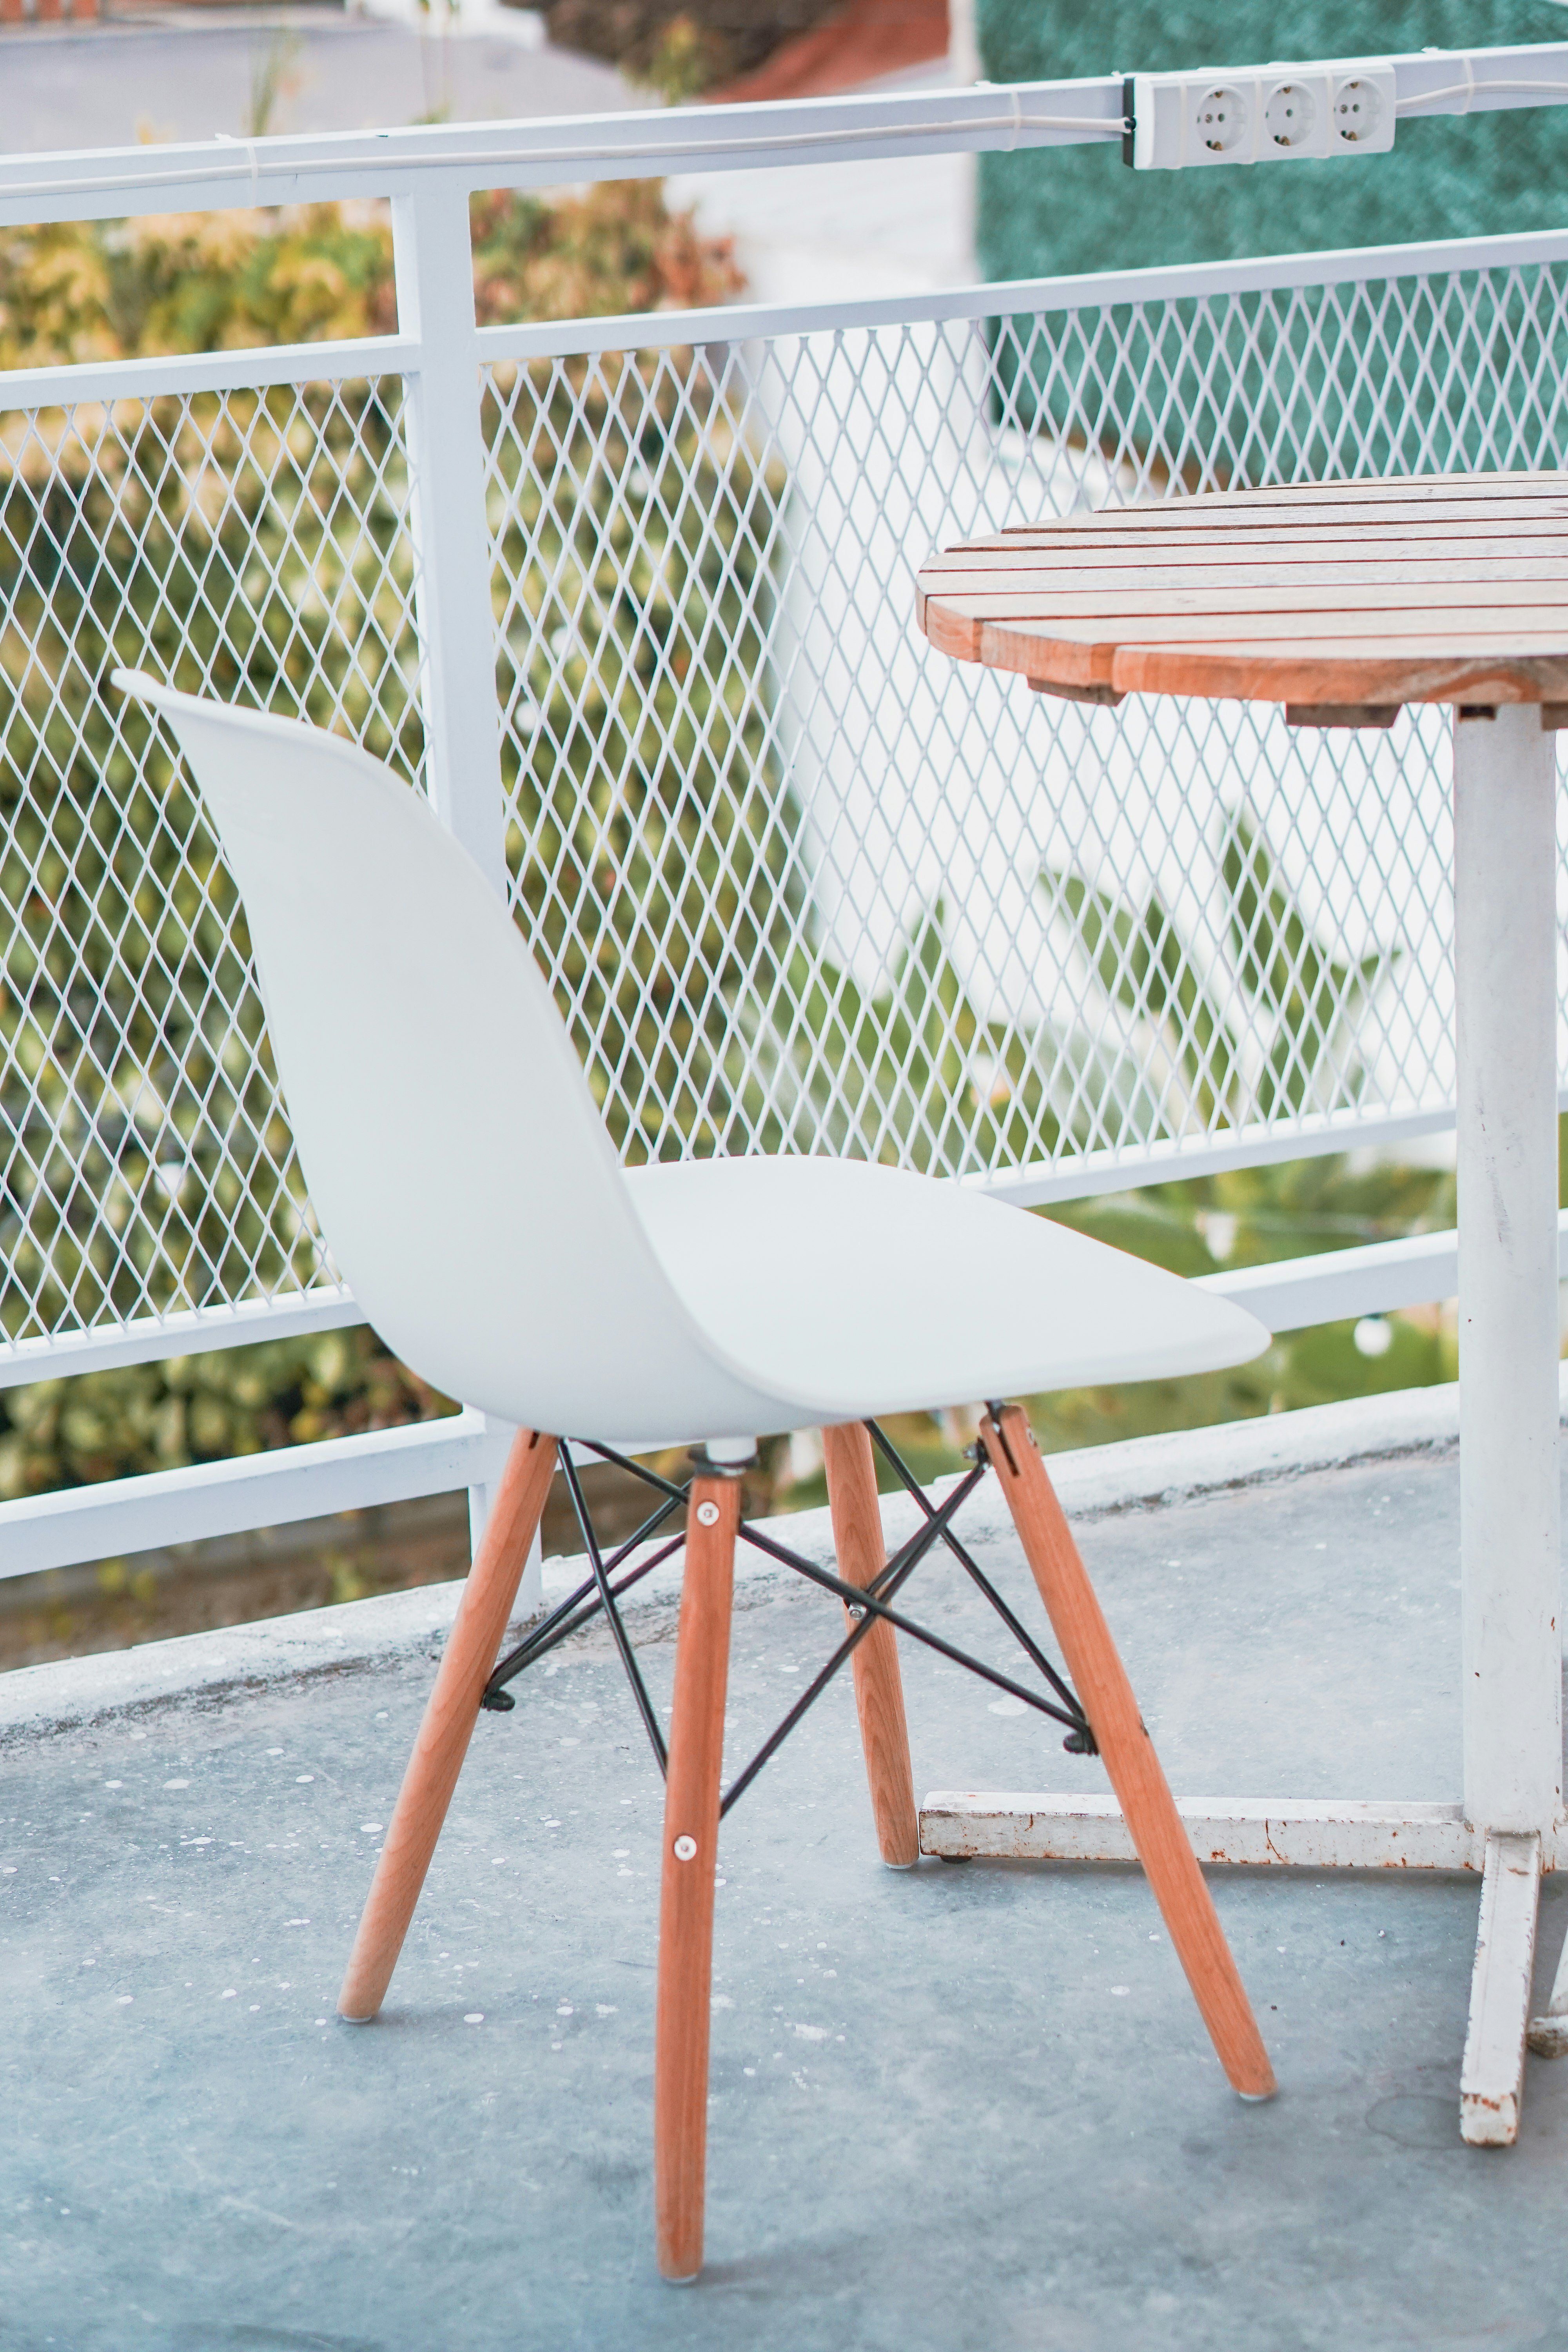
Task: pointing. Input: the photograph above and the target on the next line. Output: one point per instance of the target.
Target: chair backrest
(464, 1180)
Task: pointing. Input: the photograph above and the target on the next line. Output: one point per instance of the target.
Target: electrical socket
(1278, 113)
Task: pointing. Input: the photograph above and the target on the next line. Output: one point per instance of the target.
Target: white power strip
(1278, 113)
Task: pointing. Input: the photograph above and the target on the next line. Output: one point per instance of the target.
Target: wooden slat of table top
(1178, 513)
(1185, 518)
(1528, 550)
(1223, 588)
(1414, 495)
(1444, 590)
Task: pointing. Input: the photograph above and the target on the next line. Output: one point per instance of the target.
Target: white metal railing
(799, 884)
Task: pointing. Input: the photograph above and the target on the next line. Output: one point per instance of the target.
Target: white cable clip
(1470, 84)
(1017, 122)
(227, 138)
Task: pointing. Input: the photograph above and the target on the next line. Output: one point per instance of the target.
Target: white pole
(435, 271)
(529, 1602)
(1505, 867)
(433, 259)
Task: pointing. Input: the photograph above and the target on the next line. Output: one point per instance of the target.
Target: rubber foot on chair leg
(898, 1865)
(344, 2019)
(1256, 2098)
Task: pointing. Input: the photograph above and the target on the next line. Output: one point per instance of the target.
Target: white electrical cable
(668, 151)
(1473, 89)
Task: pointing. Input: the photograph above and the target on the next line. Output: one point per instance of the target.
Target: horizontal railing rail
(170, 376)
(631, 599)
(332, 166)
(743, 322)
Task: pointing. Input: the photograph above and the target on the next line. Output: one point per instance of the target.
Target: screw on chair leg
(879, 1685)
(450, 1718)
(1148, 1807)
(691, 1853)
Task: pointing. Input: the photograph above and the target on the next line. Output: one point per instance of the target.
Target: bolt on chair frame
(1103, 1718)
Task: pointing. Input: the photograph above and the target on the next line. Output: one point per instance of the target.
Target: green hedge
(1080, 208)
(254, 544)
(160, 1416)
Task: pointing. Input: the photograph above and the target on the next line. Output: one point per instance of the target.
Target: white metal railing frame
(440, 354)
(215, 175)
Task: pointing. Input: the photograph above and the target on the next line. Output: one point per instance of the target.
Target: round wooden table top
(1340, 598)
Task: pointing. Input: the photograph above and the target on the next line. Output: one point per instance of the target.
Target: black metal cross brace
(867, 1604)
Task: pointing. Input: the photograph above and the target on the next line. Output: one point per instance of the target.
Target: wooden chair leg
(691, 1854)
(879, 1685)
(1100, 1680)
(449, 1718)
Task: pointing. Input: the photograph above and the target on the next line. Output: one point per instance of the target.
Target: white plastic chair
(473, 1200)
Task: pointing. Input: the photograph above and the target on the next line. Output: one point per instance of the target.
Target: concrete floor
(953, 2108)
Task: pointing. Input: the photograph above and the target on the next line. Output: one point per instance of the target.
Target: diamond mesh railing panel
(802, 884)
(254, 545)
(799, 883)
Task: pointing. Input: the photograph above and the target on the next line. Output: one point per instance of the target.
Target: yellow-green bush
(112, 1424)
(254, 544)
(77, 290)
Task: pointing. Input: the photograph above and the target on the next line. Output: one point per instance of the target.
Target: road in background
(108, 84)
(851, 231)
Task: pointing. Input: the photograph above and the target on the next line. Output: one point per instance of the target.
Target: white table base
(1510, 1825)
(1234, 1832)
(1320, 1834)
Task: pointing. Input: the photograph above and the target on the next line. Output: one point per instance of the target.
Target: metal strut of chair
(868, 1605)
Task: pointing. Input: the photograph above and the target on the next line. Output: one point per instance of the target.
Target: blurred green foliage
(77, 291)
(1255, 1216)
(683, 60)
(1302, 1001)
(682, 47)
(908, 1071)
(233, 1400)
(253, 545)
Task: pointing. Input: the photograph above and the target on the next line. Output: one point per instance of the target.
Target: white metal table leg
(1505, 864)
(1505, 870)
(529, 1602)
(1491, 2078)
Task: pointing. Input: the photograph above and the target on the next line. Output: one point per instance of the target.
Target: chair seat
(846, 1291)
